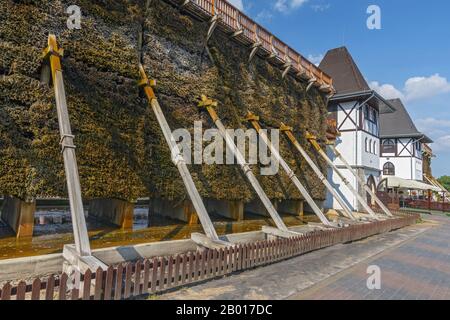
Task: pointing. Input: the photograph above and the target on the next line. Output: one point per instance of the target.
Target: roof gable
(398, 123)
(347, 78)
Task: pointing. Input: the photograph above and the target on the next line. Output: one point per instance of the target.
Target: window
(367, 145)
(371, 120)
(389, 169)
(370, 146)
(375, 147)
(389, 146)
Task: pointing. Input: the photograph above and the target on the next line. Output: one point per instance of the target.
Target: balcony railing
(233, 20)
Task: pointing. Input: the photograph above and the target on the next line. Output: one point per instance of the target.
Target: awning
(395, 182)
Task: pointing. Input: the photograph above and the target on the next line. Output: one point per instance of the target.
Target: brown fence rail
(234, 20)
(158, 274)
(427, 205)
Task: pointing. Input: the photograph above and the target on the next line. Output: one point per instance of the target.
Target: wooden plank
(241, 257)
(50, 288)
(204, 264)
(155, 268)
(118, 288)
(99, 274)
(87, 285)
(262, 254)
(6, 291)
(207, 265)
(35, 290)
(184, 271)
(128, 282)
(75, 294)
(137, 279)
(271, 251)
(235, 258)
(176, 273)
(226, 262)
(21, 290)
(170, 272)
(63, 286)
(191, 267)
(219, 262)
(246, 254)
(162, 273)
(197, 266)
(216, 262)
(109, 283)
(146, 276)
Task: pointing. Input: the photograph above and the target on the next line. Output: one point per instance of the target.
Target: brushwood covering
(120, 148)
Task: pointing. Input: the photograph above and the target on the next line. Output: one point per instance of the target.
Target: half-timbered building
(356, 108)
(402, 145)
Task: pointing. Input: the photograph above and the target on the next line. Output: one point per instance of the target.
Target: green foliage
(445, 181)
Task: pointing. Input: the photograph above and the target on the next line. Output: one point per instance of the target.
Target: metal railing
(234, 20)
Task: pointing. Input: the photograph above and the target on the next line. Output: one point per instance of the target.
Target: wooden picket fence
(155, 275)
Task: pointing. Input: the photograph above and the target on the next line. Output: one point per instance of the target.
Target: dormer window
(389, 146)
(371, 120)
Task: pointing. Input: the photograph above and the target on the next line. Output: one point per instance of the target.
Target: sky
(407, 58)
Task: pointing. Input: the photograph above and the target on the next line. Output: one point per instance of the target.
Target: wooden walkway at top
(233, 20)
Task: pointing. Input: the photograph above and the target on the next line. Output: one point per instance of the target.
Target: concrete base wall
(258, 208)
(183, 211)
(228, 209)
(294, 207)
(117, 212)
(19, 215)
(320, 204)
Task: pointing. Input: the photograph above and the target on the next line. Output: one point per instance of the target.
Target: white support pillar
(82, 250)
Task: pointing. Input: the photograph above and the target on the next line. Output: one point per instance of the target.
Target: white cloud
(433, 123)
(316, 59)
(421, 87)
(321, 7)
(237, 3)
(286, 5)
(388, 91)
(438, 130)
(442, 143)
(264, 16)
(415, 88)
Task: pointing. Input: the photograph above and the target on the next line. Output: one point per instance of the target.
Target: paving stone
(414, 262)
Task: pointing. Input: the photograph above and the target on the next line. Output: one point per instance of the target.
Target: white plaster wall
(368, 159)
(403, 166)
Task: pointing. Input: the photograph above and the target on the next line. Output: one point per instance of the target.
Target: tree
(445, 181)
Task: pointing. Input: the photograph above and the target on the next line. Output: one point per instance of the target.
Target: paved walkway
(414, 264)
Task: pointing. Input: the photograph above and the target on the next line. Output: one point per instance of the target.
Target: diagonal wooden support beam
(313, 140)
(254, 120)
(347, 183)
(288, 131)
(52, 54)
(177, 157)
(209, 105)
